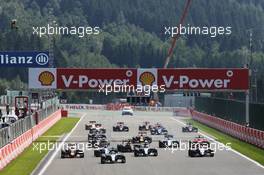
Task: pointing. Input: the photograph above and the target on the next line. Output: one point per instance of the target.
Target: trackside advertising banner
(24, 59)
(204, 79)
(94, 78)
(170, 79)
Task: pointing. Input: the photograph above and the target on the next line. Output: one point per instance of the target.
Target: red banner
(204, 79)
(94, 78)
(169, 79)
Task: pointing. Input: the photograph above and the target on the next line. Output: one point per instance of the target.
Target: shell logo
(147, 78)
(46, 78)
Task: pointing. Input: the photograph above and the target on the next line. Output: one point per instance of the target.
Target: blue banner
(24, 59)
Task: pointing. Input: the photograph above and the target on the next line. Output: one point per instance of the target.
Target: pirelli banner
(170, 79)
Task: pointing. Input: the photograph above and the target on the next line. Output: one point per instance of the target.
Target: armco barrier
(247, 134)
(83, 107)
(13, 149)
(179, 111)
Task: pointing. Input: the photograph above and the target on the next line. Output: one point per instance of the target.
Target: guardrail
(11, 150)
(22, 125)
(179, 111)
(247, 134)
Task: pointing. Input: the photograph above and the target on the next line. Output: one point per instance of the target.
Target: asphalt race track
(167, 163)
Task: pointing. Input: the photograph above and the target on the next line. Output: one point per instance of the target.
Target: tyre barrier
(17, 146)
(244, 133)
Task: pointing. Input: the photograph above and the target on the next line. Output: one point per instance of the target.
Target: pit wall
(247, 134)
(17, 146)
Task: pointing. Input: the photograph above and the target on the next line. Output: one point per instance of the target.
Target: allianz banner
(171, 79)
(24, 59)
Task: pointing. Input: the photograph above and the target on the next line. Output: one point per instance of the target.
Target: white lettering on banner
(167, 82)
(92, 83)
(67, 82)
(196, 83)
(5, 59)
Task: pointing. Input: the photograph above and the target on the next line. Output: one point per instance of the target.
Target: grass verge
(25, 163)
(247, 149)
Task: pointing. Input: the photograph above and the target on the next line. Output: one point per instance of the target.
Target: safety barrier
(247, 134)
(116, 106)
(82, 107)
(13, 149)
(17, 128)
(179, 111)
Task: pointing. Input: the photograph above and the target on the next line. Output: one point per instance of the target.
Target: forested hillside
(133, 33)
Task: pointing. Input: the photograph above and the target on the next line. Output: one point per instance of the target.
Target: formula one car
(99, 143)
(112, 156)
(158, 130)
(144, 150)
(200, 147)
(189, 128)
(90, 125)
(96, 137)
(141, 138)
(97, 128)
(145, 126)
(120, 126)
(100, 151)
(168, 142)
(70, 151)
(125, 146)
(97, 131)
(127, 110)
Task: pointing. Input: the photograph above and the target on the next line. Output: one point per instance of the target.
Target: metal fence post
(247, 107)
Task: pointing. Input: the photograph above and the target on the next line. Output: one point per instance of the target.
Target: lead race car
(144, 150)
(90, 125)
(141, 138)
(189, 128)
(121, 127)
(97, 127)
(200, 147)
(169, 142)
(71, 151)
(112, 156)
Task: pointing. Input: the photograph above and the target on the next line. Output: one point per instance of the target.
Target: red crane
(175, 38)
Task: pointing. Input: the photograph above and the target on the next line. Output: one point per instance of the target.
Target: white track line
(44, 168)
(236, 152)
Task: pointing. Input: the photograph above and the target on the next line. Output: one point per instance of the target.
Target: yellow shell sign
(147, 78)
(46, 78)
